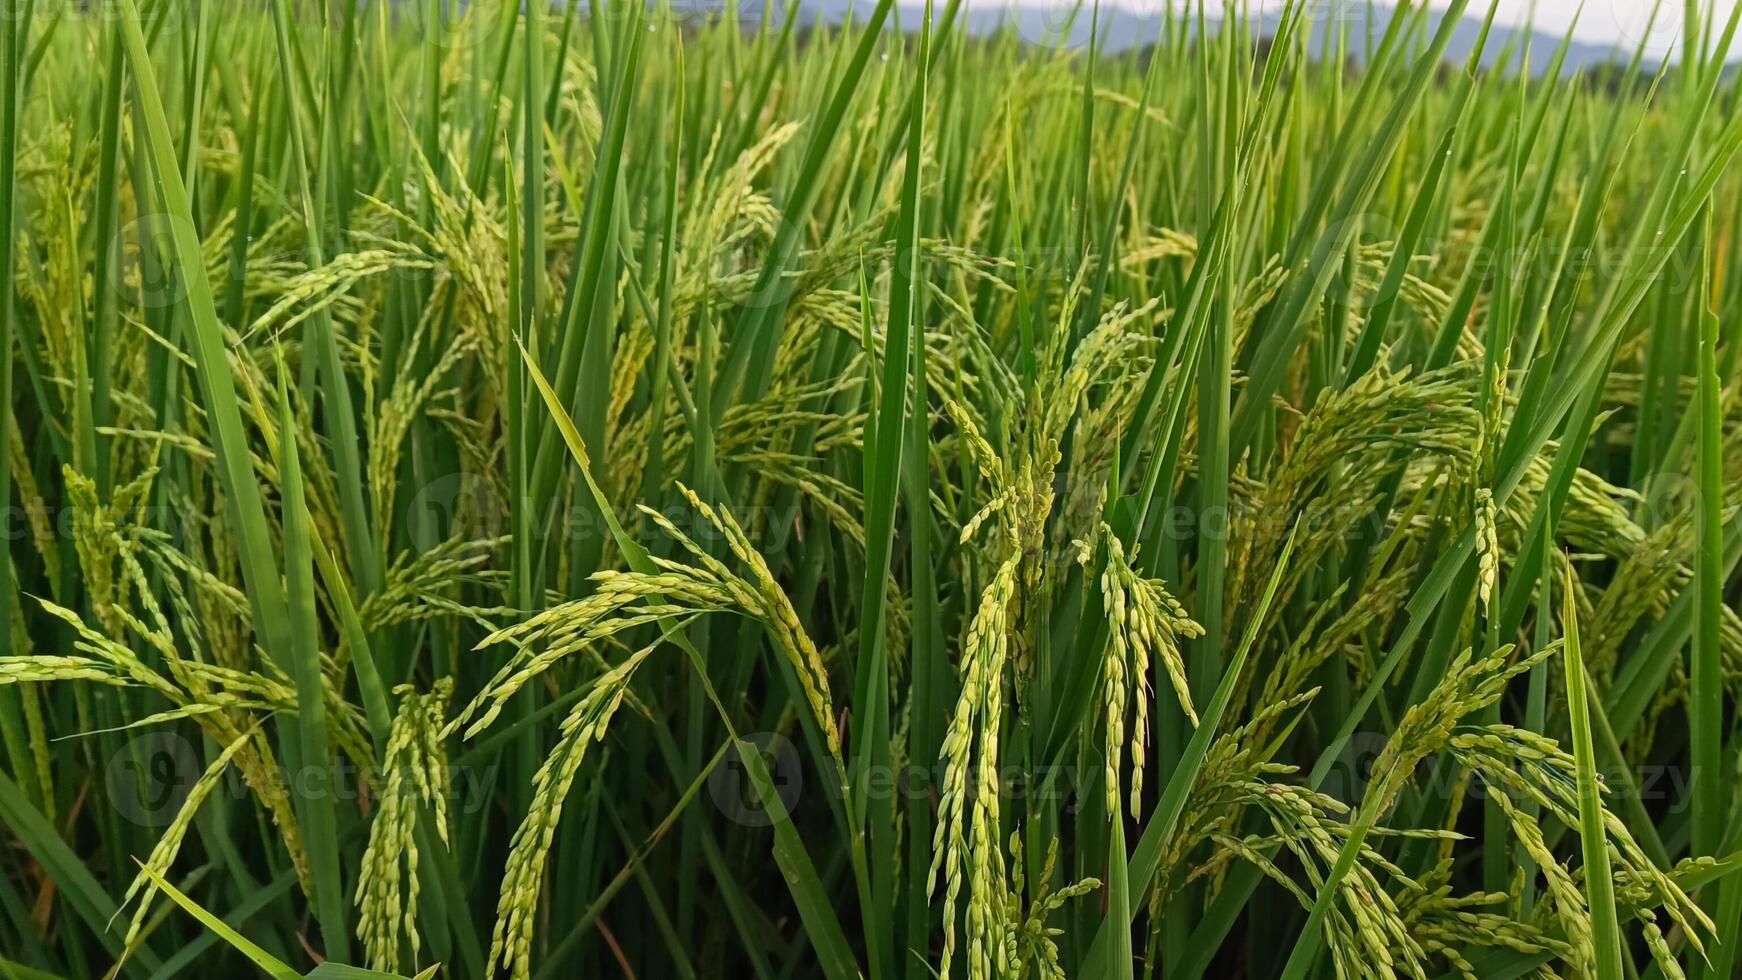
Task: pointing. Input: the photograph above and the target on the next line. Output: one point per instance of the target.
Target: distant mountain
(1122, 30)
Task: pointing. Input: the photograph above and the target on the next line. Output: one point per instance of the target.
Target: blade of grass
(874, 814)
(1599, 883)
(762, 314)
(339, 415)
(272, 967)
(1706, 691)
(211, 357)
(316, 810)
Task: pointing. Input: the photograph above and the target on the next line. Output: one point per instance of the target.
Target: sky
(1616, 22)
(1622, 22)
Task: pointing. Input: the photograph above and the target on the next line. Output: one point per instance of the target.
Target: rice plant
(610, 490)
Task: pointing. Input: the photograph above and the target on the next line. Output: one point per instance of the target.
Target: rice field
(607, 490)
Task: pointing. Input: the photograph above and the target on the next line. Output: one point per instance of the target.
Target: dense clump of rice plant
(566, 490)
